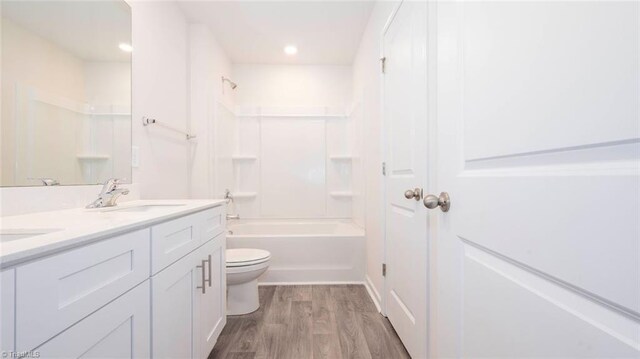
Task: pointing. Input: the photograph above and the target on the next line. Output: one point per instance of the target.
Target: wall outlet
(135, 156)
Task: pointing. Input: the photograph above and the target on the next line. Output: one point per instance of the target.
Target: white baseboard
(373, 293)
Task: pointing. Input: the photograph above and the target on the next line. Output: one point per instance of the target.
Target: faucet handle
(46, 181)
(111, 184)
(228, 195)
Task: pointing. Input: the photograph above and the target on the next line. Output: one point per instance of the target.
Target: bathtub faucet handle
(228, 196)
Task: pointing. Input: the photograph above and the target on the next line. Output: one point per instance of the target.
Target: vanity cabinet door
(212, 304)
(7, 310)
(174, 296)
(188, 319)
(118, 330)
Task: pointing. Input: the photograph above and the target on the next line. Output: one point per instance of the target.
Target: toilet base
(243, 298)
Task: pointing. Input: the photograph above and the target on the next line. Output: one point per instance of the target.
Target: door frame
(431, 185)
(383, 144)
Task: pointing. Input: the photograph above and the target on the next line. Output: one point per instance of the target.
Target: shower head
(231, 83)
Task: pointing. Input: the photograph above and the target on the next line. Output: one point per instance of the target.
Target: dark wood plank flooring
(310, 321)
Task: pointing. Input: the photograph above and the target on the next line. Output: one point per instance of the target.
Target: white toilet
(244, 266)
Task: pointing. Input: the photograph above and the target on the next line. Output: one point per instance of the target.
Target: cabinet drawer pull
(203, 287)
(209, 260)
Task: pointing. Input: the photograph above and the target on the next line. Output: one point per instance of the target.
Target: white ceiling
(91, 30)
(255, 32)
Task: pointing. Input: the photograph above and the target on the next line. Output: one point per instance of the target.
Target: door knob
(431, 201)
(413, 193)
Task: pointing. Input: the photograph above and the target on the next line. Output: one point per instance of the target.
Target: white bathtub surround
(75, 227)
(293, 122)
(304, 251)
(284, 152)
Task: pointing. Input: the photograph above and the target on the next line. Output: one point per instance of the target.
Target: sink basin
(7, 235)
(141, 208)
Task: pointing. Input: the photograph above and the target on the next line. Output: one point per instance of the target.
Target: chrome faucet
(230, 216)
(109, 194)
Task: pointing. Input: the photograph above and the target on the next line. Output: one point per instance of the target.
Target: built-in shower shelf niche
(341, 194)
(245, 195)
(90, 157)
(243, 158)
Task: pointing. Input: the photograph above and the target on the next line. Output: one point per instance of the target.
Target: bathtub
(304, 251)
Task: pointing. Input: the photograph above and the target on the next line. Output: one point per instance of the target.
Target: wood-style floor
(312, 321)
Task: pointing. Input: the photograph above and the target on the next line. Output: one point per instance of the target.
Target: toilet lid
(246, 256)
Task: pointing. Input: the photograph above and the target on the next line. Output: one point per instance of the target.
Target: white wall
(108, 83)
(293, 86)
(160, 45)
(367, 94)
(208, 110)
(358, 207)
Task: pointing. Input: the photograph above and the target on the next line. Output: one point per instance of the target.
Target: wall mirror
(66, 92)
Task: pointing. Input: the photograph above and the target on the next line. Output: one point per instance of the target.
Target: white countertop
(80, 226)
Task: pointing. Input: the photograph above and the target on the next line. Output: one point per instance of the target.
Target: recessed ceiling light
(290, 50)
(125, 47)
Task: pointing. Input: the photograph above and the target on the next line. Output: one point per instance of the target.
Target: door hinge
(384, 168)
(384, 269)
(383, 62)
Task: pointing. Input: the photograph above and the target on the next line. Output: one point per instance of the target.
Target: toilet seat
(243, 257)
(248, 268)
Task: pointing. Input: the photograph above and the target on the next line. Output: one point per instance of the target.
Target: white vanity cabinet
(174, 309)
(118, 330)
(55, 292)
(188, 297)
(158, 290)
(213, 301)
(7, 310)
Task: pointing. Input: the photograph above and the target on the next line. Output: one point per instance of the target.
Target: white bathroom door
(538, 148)
(405, 128)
